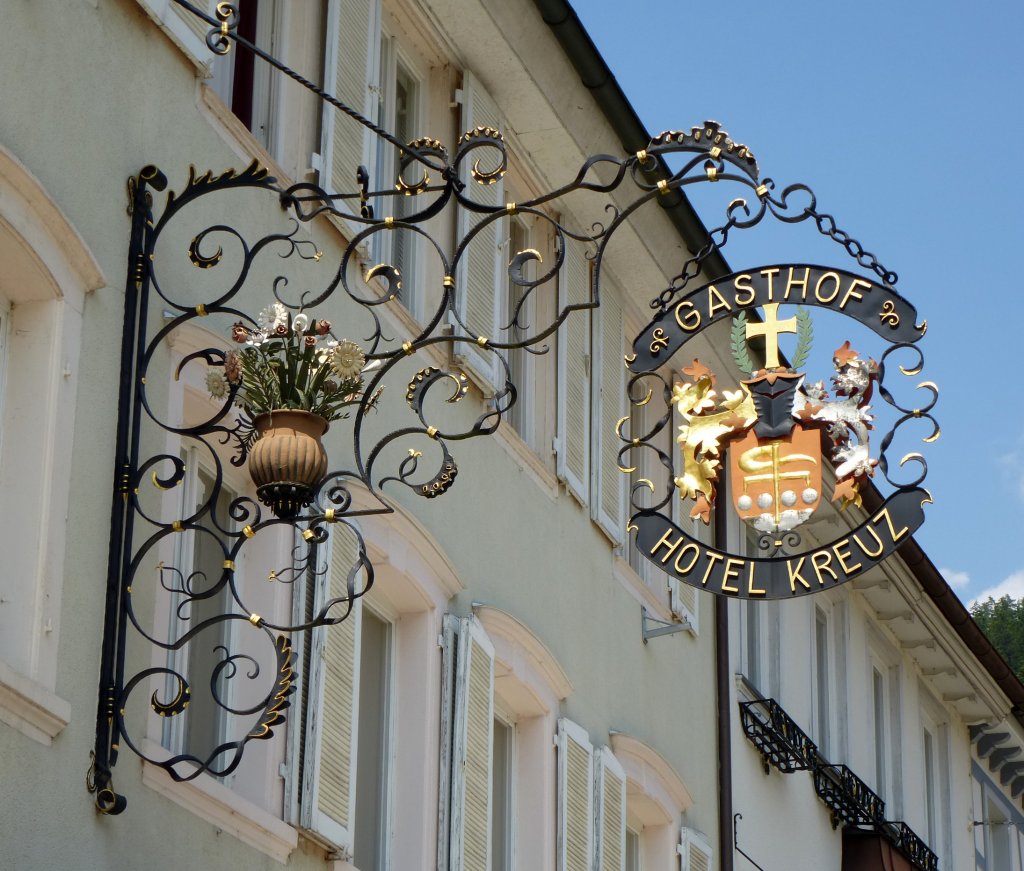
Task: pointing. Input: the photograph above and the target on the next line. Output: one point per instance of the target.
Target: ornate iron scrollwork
(777, 737)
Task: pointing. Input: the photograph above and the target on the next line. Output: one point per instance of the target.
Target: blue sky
(907, 120)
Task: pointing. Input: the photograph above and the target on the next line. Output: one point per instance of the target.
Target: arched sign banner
(782, 437)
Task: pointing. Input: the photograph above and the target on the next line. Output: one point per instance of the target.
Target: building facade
(491, 702)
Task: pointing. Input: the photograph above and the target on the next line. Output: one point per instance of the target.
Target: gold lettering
(795, 576)
(851, 291)
(693, 562)
(751, 589)
(896, 536)
(691, 320)
(824, 565)
(746, 287)
(843, 556)
(802, 283)
(732, 570)
(835, 291)
(712, 559)
(663, 542)
(878, 541)
(716, 301)
(770, 275)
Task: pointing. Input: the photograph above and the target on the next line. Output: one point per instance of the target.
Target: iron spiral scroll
(226, 244)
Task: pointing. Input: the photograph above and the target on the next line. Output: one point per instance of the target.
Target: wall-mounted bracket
(652, 627)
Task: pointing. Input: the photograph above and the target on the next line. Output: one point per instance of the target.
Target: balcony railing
(848, 797)
(777, 737)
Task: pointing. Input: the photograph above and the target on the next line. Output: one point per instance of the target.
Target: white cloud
(1013, 587)
(957, 580)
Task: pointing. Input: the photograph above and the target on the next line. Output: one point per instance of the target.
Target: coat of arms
(774, 428)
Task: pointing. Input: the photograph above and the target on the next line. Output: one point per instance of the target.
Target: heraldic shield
(776, 482)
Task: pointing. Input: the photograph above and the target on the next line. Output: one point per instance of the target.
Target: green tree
(1002, 620)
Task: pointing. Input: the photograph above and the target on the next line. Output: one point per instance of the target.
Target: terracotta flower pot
(288, 459)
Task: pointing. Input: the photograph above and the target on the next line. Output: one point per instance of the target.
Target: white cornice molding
(30, 708)
(500, 624)
(657, 779)
(221, 807)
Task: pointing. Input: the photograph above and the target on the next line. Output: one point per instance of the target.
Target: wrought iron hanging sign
(781, 436)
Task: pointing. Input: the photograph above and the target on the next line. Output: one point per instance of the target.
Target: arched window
(46, 272)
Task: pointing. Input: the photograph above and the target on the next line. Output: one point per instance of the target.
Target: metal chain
(827, 227)
(692, 268)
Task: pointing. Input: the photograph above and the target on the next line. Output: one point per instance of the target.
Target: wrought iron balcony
(904, 839)
(848, 797)
(780, 741)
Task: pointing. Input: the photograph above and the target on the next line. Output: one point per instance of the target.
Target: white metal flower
(272, 317)
(256, 338)
(300, 322)
(323, 353)
(347, 360)
(217, 383)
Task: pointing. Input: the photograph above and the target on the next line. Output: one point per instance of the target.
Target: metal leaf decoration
(805, 337)
(739, 343)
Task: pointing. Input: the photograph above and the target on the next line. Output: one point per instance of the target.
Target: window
(759, 634)
(200, 560)
(885, 731)
(246, 84)
(935, 776)
(373, 746)
(47, 272)
(503, 795)
(520, 318)
(608, 404)
(633, 862)
(398, 111)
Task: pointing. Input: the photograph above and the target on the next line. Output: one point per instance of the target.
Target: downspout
(725, 818)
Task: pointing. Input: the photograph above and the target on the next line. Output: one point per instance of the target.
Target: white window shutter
(480, 275)
(328, 750)
(572, 446)
(695, 851)
(610, 812)
(609, 402)
(186, 30)
(350, 68)
(575, 798)
(472, 750)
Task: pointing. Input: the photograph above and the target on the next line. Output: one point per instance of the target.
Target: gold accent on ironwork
(913, 455)
(641, 155)
(407, 347)
(177, 527)
(448, 281)
(415, 454)
(888, 314)
(329, 515)
(636, 442)
(482, 341)
(761, 190)
(229, 564)
(389, 222)
(660, 341)
(715, 152)
(771, 328)
(255, 619)
(632, 528)
(248, 532)
(648, 482)
(271, 576)
(923, 327)
(432, 431)
(646, 399)
(662, 186)
(928, 500)
(712, 172)
(201, 310)
(629, 358)
(915, 371)
(308, 534)
(916, 412)
(510, 208)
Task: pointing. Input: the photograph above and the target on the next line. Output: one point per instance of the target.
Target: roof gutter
(634, 136)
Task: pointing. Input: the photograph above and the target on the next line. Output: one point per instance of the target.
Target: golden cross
(771, 328)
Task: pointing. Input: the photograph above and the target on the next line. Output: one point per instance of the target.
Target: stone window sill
(30, 708)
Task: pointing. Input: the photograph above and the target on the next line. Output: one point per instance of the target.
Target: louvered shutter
(480, 278)
(328, 753)
(609, 403)
(573, 439)
(350, 70)
(694, 850)
(473, 737)
(575, 798)
(610, 812)
(186, 30)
